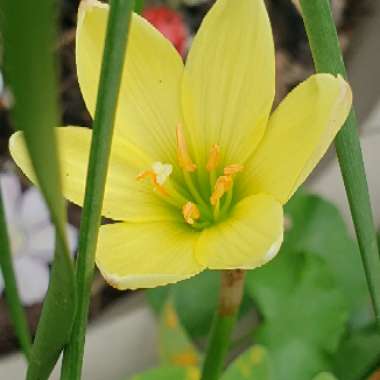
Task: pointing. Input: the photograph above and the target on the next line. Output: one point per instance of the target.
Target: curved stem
(16, 310)
(109, 85)
(328, 58)
(231, 294)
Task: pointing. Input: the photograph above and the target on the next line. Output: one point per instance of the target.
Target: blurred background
(358, 23)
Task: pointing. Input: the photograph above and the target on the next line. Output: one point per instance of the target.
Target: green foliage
(175, 346)
(196, 301)
(252, 364)
(358, 355)
(28, 34)
(325, 376)
(168, 373)
(317, 227)
(304, 313)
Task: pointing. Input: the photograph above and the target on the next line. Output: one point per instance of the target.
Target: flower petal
(33, 210)
(149, 101)
(125, 198)
(132, 256)
(298, 135)
(32, 277)
(249, 238)
(228, 83)
(41, 243)
(11, 193)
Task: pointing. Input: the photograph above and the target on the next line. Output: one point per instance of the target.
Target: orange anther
(190, 212)
(222, 185)
(184, 159)
(233, 169)
(214, 158)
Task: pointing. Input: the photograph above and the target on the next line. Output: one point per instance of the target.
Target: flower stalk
(328, 58)
(13, 300)
(108, 92)
(231, 294)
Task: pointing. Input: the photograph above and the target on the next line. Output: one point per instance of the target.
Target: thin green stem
(109, 86)
(328, 58)
(13, 300)
(231, 293)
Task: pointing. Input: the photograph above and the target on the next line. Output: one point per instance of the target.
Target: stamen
(214, 158)
(233, 169)
(184, 159)
(191, 212)
(159, 174)
(222, 185)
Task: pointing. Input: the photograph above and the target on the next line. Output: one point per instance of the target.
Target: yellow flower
(199, 168)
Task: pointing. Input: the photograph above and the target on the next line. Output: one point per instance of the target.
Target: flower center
(200, 205)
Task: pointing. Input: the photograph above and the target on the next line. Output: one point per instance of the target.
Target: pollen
(222, 185)
(191, 212)
(162, 172)
(158, 174)
(233, 169)
(214, 158)
(183, 156)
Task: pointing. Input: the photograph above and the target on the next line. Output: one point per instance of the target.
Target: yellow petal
(146, 255)
(298, 135)
(228, 83)
(125, 197)
(149, 101)
(250, 237)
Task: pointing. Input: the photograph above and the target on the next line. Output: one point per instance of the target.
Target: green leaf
(304, 313)
(29, 37)
(169, 373)
(318, 227)
(252, 364)
(196, 300)
(358, 355)
(175, 346)
(325, 376)
(157, 297)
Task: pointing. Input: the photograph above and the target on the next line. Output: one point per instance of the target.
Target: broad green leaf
(175, 346)
(157, 297)
(304, 313)
(169, 373)
(358, 355)
(317, 227)
(28, 33)
(196, 300)
(252, 364)
(325, 376)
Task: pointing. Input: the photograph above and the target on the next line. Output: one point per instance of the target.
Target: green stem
(109, 86)
(13, 300)
(328, 58)
(231, 293)
(139, 6)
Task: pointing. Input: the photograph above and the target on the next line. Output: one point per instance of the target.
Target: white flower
(32, 238)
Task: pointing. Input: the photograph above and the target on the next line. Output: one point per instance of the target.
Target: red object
(171, 24)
